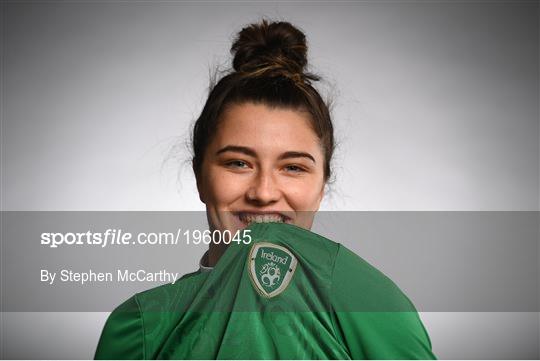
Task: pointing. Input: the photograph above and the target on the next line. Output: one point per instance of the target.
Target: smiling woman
(263, 164)
(262, 149)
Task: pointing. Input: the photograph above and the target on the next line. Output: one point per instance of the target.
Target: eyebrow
(252, 153)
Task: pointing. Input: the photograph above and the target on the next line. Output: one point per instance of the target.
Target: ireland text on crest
(271, 268)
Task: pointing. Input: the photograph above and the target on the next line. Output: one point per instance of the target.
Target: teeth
(260, 218)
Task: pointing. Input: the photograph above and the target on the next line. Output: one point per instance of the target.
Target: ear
(201, 195)
(199, 187)
(321, 195)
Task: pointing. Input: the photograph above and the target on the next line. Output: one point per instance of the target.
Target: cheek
(303, 195)
(223, 187)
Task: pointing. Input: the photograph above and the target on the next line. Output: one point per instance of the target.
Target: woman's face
(263, 165)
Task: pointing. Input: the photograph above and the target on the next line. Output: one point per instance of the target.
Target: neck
(215, 252)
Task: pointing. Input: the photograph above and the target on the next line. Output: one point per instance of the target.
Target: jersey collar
(203, 262)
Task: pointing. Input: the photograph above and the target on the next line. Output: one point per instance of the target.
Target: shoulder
(376, 319)
(359, 286)
(123, 335)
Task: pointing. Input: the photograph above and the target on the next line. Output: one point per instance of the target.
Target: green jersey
(288, 294)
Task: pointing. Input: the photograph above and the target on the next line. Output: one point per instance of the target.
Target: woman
(262, 151)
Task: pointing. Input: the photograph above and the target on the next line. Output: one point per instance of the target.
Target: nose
(263, 189)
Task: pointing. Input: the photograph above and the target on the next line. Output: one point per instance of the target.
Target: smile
(248, 218)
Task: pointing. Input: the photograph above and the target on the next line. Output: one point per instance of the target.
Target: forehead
(261, 127)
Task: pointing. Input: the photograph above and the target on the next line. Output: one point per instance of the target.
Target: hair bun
(268, 43)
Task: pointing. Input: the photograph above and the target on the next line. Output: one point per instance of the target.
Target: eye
(294, 168)
(236, 164)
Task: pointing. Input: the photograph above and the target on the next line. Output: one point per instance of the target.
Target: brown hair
(269, 68)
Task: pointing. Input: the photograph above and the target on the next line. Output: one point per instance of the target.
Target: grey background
(436, 109)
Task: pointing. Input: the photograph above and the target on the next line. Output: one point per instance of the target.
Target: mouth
(248, 218)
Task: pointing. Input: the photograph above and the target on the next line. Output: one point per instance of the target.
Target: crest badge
(271, 268)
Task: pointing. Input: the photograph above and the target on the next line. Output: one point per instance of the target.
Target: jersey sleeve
(372, 317)
(122, 337)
